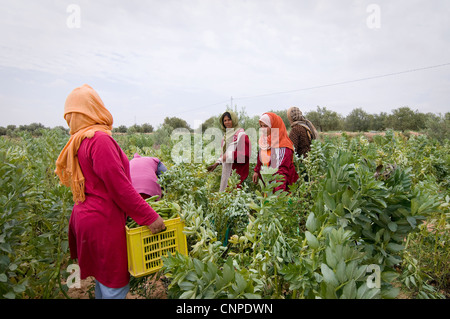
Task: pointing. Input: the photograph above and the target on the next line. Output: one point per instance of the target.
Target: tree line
(400, 119)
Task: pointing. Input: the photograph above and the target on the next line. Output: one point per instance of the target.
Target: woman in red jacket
(97, 170)
(276, 150)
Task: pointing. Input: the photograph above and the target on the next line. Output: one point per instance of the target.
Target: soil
(153, 289)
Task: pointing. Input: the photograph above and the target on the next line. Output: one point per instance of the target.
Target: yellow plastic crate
(145, 249)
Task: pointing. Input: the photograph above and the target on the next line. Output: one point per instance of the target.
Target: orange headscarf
(277, 138)
(85, 114)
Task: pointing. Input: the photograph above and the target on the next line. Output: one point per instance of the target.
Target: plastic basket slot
(167, 234)
(153, 256)
(149, 248)
(149, 240)
(168, 243)
(153, 264)
(147, 257)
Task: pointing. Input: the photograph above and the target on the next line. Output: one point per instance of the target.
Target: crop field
(369, 218)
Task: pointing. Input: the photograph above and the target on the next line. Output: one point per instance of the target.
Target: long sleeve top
(241, 158)
(285, 167)
(240, 155)
(97, 226)
(302, 141)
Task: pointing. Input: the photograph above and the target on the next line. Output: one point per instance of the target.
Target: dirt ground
(154, 289)
(158, 291)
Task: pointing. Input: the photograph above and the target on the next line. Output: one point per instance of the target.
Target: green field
(368, 219)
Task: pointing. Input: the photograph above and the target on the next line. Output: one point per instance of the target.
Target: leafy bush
(351, 216)
(33, 223)
(365, 219)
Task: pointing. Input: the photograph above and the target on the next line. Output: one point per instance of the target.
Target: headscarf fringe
(296, 117)
(78, 191)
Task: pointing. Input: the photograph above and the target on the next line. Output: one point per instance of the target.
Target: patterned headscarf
(296, 117)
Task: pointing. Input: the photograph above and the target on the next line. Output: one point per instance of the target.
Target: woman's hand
(255, 177)
(212, 167)
(157, 226)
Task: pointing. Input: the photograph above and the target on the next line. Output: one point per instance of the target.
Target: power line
(318, 86)
(343, 82)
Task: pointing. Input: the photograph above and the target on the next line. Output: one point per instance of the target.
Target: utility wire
(344, 82)
(319, 86)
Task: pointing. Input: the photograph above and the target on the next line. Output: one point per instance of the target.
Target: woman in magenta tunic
(97, 170)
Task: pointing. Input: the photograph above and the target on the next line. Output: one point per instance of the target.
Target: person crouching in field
(276, 150)
(144, 172)
(235, 150)
(97, 170)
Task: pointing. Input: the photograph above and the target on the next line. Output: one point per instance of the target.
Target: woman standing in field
(235, 150)
(302, 132)
(276, 150)
(97, 170)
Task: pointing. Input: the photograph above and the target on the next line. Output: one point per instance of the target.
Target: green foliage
(33, 223)
(175, 123)
(358, 121)
(204, 280)
(404, 118)
(427, 257)
(438, 127)
(324, 119)
(144, 128)
(346, 222)
(361, 211)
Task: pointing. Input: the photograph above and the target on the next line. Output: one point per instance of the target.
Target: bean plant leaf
(393, 226)
(311, 223)
(312, 240)
(329, 201)
(394, 247)
(3, 278)
(240, 283)
(349, 291)
(328, 275)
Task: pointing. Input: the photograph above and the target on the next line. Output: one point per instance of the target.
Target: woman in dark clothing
(302, 132)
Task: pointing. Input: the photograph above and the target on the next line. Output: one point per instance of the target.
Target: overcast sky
(153, 59)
